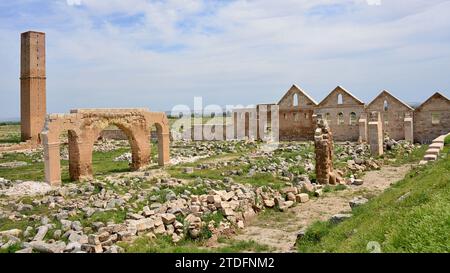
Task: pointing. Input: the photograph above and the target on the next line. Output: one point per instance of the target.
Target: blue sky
(157, 54)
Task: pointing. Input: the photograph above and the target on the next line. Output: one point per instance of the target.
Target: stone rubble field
(212, 189)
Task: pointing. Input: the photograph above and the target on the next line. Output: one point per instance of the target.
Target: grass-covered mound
(411, 216)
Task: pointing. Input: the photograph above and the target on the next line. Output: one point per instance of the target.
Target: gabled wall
(424, 129)
(296, 121)
(350, 104)
(393, 117)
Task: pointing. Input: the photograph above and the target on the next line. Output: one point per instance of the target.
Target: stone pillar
(163, 149)
(375, 133)
(323, 142)
(409, 129)
(140, 148)
(32, 85)
(362, 128)
(83, 170)
(52, 163)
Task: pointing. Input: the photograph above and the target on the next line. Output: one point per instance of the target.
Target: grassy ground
(411, 216)
(102, 164)
(164, 245)
(9, 133)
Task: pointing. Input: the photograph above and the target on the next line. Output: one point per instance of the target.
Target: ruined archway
(86, 125)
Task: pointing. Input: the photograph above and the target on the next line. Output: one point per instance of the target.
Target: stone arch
(85, 126)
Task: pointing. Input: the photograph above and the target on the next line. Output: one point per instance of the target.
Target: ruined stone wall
(296, 115)
(393, 115)
(337, 109)
(424, 129)
(345, 131)
(296, 124)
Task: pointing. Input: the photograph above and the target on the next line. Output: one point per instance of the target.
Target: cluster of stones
(179, 216)
(183, 151)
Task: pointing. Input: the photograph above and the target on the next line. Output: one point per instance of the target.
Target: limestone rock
(337, 218)
(168, 218)
(302, 198)
(357, 201)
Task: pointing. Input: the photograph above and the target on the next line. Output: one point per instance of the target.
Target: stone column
(140, 148)
(163, 149)
(375, 133)
(52, 163)
(362, 128)
(83, 170)
(323, 142)
(409, 129)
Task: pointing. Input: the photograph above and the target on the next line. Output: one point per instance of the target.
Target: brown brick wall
(424, 130)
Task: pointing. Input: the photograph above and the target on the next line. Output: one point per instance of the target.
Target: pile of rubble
(158, 210)
(108, 145)
(13, 164)
(124, 157)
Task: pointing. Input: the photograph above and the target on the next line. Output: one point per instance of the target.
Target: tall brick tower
(32, 85)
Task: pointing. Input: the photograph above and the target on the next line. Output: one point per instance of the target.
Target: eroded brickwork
(432, 119)
(32, 85)
(324, 150)
(392, 113)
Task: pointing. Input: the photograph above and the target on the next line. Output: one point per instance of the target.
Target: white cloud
(74, 2)
(241, 52)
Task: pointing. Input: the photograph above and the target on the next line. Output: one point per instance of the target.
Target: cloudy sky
(156, 54)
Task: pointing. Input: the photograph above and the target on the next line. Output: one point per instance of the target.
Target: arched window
(385, 106)
(352, 118)
(328, 118)
(295, 100)
(340, 120)
(285, 116)
(340, 99)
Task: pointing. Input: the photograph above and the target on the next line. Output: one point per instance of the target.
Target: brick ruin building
(348, 116)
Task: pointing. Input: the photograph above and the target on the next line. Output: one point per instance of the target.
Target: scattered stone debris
(12, 165)
(124, 157)
(25, 188)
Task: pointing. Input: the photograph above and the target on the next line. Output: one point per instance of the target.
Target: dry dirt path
(279, 230)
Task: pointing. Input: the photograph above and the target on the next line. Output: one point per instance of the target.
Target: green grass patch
(401, 157)
(102, 164)
(9, 132)
(447, 140)
(164, 244)
(116, 215)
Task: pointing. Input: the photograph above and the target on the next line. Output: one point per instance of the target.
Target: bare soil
(279, 230)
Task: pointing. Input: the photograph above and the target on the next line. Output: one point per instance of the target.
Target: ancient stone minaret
(32, 85)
